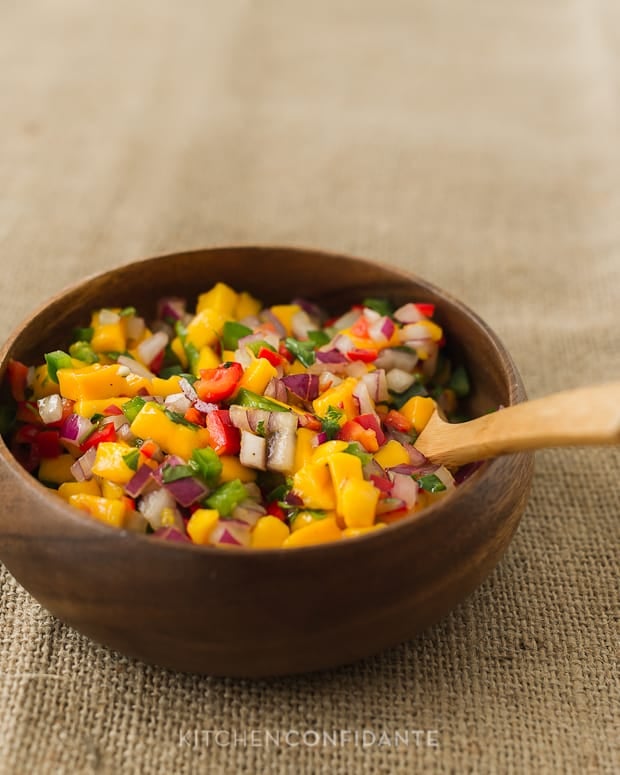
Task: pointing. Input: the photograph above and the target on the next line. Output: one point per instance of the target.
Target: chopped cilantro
(382, 306)
(260, 428)
(303, 351)
(356, 449)
(131, 459)
(331, 422)
(173, 473)
(178, 418)
(430, 483)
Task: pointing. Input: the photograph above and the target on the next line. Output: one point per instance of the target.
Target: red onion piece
(171, 307)
(381, 483)
(188, 389)
(405, 487)
(82, 469)
(75, 428)
(204, 406)
(310, 308)
(331, 356)
(187, 491)
(306, 386)
(276, 389)
(268, 316)
(140, 482)
(172, 534)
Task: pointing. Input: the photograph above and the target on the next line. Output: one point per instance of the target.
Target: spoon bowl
(262, 612)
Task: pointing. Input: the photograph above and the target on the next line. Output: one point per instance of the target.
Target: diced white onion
(177, 402)
(399, 380)
(50, 408)
(134, 367)
(107, 317)
(150, 348)
(253, 452)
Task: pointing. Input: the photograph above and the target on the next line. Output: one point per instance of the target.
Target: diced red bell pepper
(371, 422)
(112, 410)
(18, 379)
(275, 359)
(381, 483)
(220, 383)
(223, 436)
(105, 433)
(195, 416)
(48, 443)
(27, 455)
(276, 511)
(310, 421)
(353, 431)
(157, 362)
(26, 434)
(27, 412)
(130, 503)
(359, 354)
(428, 310)
(397, 420)
(150, 449)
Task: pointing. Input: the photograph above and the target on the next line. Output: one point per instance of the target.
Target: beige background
(474, 143)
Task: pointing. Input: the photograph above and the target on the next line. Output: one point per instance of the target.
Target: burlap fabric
(475, 143)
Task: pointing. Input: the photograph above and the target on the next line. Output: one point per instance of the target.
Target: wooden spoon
(589, 415)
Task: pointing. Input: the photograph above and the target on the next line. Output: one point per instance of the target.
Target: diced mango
(91, 406)
(269, 533)
(323, 452)
(340, 397)
(304, 447)
(354, 532)
(257, 375)
(418, 411)
(110, 512)
(343, 466)
(97, 381)
(201, 524)
(42, 385)
(246, 306)
(319, 532)
(165, 387)
(111, 490)
(88, 487)
(176, 345)
(205, 328)
(177, 439)
(109, 337)
(56, 470)
(221, 298)
(228, 356)
(109, 462)
(285, 314)
(232, 469)
(392, 454)
(358, 499)
(207, 359)
(313, 485)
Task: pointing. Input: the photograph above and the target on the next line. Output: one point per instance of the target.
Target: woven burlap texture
(474, 143)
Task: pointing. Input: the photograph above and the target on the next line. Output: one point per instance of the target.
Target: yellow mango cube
(165, 387)
(247, 306)
(110, 512)
(285, 314)
(321, 531)
(314, 486)
(89, 487)
(221, 298)
(392, 454)
(207, 359)
(111, 490)
(109, 337)
(232, 469)
(177, 439)
(358, 500)
(323, 452)
(257, 375)
(109, 463)
(42, 385)
(201, 524)
(304, 447)
(98, 381)
(342, 468)
(205, 328)
(56, 470)
(340, 397)
(176, 345)
(433, 329)
(418, 411)
(269, 533)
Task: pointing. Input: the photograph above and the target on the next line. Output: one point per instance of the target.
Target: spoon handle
(589, 415)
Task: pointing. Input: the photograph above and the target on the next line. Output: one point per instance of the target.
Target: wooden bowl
(261, 612)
